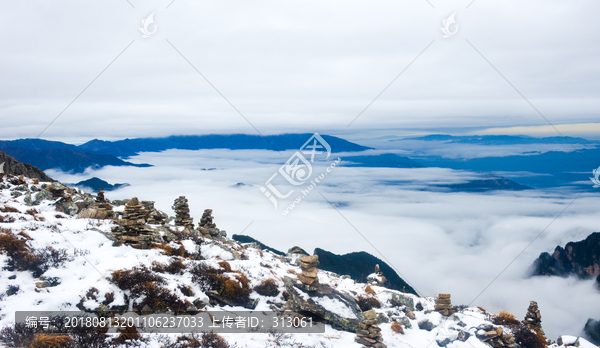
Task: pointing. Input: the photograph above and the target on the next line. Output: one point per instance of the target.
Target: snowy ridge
(89, 261)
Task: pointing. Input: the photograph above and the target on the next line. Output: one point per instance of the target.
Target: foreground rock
(347, 315)
(377, 277)
(11, 166)
(368, 332)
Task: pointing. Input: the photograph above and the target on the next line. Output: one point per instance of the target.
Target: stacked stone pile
(182, 213)
(104, 210)
(309, 275)
(207, 227)
(376, 278)
(533, 318)
(368, 332)
(493, 336)
(443, 305)
(100, 196)
(132, 228)
(154, 217)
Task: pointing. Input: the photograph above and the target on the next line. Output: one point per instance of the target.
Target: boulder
(315, 302)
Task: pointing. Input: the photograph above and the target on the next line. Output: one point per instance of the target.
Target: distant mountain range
(387, 160)
(500, 139)
(46, 154)
(96, 184)
(536, 170)
(131, 147)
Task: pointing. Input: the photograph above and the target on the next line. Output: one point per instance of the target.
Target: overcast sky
(295, 66)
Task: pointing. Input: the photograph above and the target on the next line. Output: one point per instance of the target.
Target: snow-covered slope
(78, 267)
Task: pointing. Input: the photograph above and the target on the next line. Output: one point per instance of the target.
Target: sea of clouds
(438, 241)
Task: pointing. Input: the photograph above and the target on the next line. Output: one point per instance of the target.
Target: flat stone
(370, 314)
(310, 259)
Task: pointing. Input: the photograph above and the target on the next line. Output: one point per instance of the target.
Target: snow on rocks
(88, 273)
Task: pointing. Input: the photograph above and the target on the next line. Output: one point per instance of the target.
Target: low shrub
(143, 284)
(267, 288)
(397, 328)
(51, 341)
(209, 278)
(369, 290)
(505, 318)
(172, 251)
(527, 338)
(24, 258)
(206, 340)
(175, 267)
(109, 297)
(31, 212)
(186, 290)
(128, 279)
(366, 303)
(9, 209)
(236, 291)
(7, 219)
(225, 266)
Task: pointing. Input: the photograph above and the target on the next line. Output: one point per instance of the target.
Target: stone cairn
(376, 278)
(443, 305)
(207, 227)
(154, 217)
(533, 318)
(104, 206)
(182, 213)
(368, 332)
(132, 228)
(309, 275)
(100, 196)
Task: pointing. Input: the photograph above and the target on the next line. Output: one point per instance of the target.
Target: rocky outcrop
(102, 209)
(377, 277)
(495, 336)
(533, 318)
(309, 274)
(182, 213)
(368, 332)
(316, 302)
(11, 166)
(576, 258)
(443, 305)
(132, 228)
(360, 264)
(592, 330)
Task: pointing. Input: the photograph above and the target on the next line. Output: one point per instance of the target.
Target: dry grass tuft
(51, 341)
(397, 328)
